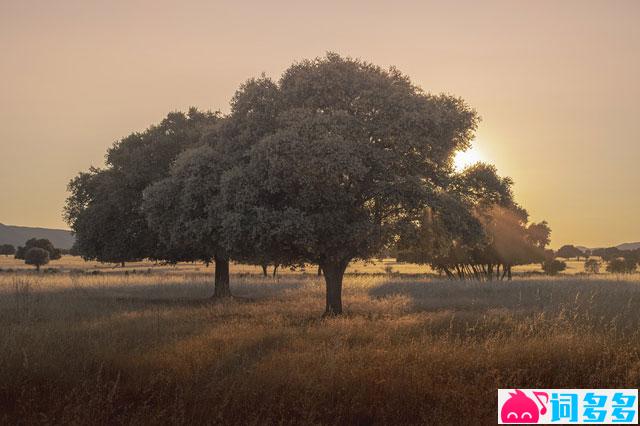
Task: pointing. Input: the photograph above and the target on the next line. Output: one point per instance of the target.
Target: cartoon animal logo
(519, 408)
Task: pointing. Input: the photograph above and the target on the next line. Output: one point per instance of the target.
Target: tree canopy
(553, 266)
(104, 208)
(7, 249)
(475, 228)
(569, 251)
(186, 206)
(337, 160)
(37, 257)
(622, 265)
(42, 243)
(357, 154)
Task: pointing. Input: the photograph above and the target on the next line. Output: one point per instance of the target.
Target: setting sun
(466, 158)
(222, 212)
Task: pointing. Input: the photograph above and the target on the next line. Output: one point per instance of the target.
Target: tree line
(337, 160)
(616, 260)
(36, 252)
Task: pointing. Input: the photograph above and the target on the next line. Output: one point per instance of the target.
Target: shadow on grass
(35, 302)
(599, 296)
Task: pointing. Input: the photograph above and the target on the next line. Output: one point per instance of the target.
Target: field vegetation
(153, 347)
(337, 160)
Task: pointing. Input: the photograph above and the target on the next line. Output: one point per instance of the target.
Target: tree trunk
(467, 270)
(449, 274)
(460, 273)
(275, 270)
(264, 270)
(506, 271)
(221, 283)
(476, 275)
(319, 270)
(333, 274)
(122, 264)
(37, 268)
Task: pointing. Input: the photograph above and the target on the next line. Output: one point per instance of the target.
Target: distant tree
(592, 266)
(7, 249)
(549, 254)
(74, 250)
(20, 252)
(621, 265)
(539, 234)
(476, 230)
(36, 256)
(569, 251)
(607, 253)
(42, 243)
(552, 267)
(631, 256)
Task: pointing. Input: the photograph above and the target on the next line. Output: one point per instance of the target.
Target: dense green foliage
(7, 249)
(570, 251)
(622, 265)
(476, 228)
(553, 266)
(104, 208)
(357, 154)
(37, 257)
(338, 160)
(42, 243)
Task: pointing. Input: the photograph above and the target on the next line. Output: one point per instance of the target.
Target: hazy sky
(556, 83)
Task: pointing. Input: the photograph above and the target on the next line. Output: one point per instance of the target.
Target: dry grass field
(374, 267)
(151, 348)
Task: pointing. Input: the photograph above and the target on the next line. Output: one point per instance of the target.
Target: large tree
(357, 154)
(186, 208)
(104, 208)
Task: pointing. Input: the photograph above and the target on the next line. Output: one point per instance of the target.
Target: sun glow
(466, 158)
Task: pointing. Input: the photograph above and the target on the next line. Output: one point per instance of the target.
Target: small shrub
(37, 257)
(592, 266)
(621, 265)
(552, 267)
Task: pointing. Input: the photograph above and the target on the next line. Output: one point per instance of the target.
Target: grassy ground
(73, 263)
(150, 348)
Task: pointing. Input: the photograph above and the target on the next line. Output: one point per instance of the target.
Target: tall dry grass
(375, 266)
(152, 349)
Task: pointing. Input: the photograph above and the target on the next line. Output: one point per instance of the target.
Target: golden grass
(153, 349)
(376, 266)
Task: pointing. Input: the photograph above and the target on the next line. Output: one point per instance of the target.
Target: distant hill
(17, 235)
(623, 246)
(628, 246)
